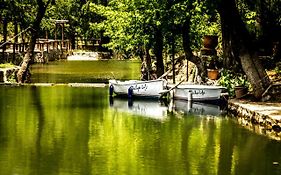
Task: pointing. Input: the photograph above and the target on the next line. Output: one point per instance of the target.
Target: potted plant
(213, 74)
(210, 36)
(210, 41)
(240, 88)
(213, 71)
(236, 84)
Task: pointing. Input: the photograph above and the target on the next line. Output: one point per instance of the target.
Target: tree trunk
(73, 41)
(202, 70)
(146, 66)
(244, 46)
(159, 52)
(230, 57)
(23, 72)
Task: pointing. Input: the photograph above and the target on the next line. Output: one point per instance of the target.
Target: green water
(63, 130)
(85, 71)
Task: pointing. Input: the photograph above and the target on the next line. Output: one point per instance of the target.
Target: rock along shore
(261, 117)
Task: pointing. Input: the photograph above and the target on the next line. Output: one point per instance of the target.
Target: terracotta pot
(213, 74)
(210, 41)
(240, 91)
(206, 51)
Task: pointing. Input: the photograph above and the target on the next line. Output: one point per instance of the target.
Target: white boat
(151, 88)
(147, 108)
(197, 92)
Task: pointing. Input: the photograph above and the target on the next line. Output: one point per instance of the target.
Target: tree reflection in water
(64, 130)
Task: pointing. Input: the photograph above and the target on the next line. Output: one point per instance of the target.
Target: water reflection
(159, 109)
(65, 130)
(148, 108)
(197, 108)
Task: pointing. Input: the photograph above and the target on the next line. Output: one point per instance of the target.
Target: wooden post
(16, 34)
(62, 36)
(62, 22)
(173, 59)
(15, 40)
(22, 41)
(5, 31)
(55, 43)
(187, 70)
(47, 41)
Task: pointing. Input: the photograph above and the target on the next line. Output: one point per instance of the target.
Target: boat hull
(150, 88)
(198, 92)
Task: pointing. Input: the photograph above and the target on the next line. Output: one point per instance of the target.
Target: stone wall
(8, 75)
(256, 121)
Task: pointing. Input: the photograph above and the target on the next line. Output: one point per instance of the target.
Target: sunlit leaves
(127, 28)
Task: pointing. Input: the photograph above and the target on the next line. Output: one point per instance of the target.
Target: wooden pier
(41, 45)
(45, 50)
(16, 46)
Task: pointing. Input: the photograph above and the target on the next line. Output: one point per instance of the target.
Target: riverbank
(261, 117)
(57, 84)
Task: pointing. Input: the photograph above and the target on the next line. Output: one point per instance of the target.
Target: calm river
(61, 130)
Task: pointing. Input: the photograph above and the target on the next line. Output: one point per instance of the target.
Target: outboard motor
(130, 92)
(111, 88)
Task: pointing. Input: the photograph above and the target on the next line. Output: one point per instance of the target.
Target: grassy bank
(6, 65)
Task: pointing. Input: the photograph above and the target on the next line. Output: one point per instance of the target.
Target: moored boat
(150, 88)
(197, 92)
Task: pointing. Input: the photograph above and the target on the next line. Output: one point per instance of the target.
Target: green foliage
(131, 25)
(117, 26)
(230, 79)
(66, 10)
(278, 68)
(259, 15)
(249, 15)
(21, 11)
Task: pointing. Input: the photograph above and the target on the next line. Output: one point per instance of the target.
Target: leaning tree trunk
(22, 75)
(23, 72)
(201, 66)
(242, 41)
